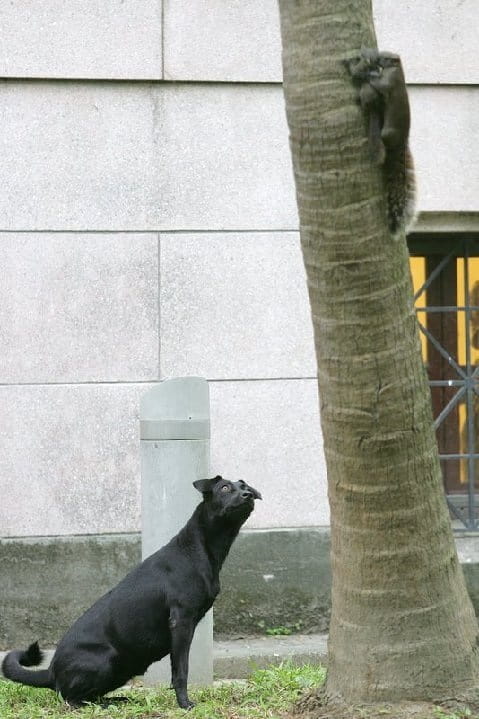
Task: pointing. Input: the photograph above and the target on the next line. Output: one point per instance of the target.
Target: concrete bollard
(175, 451)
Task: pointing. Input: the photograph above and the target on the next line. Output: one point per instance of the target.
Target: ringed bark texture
(402, 624)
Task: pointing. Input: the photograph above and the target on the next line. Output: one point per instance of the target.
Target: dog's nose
(246, 493)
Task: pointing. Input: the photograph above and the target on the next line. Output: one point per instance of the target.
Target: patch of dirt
(315, 705)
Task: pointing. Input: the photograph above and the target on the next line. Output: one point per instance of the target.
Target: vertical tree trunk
(402, 624)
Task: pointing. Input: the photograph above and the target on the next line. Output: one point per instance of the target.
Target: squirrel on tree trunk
(383, 96)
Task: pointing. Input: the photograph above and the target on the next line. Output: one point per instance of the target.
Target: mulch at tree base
(315, 705)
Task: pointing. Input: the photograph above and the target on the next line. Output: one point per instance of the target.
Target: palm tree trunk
(402, 624)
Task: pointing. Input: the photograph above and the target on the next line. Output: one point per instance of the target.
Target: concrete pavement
(236, 658)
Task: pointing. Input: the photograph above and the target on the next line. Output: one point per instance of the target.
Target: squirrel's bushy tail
(401, 189)
(13, 667)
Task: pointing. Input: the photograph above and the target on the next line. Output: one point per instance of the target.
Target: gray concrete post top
(176, 409)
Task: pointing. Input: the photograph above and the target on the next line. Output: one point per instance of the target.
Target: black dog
(152, 612)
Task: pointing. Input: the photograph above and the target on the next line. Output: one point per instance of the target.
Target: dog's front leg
(182, 628)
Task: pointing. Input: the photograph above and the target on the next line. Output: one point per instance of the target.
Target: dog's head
(226, 498)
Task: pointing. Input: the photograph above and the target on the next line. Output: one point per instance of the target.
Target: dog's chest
(207, 588)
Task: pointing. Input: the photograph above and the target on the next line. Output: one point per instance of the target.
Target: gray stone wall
(148, 229)
(272, 579)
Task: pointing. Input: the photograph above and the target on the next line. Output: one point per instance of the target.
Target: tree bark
(402, 624)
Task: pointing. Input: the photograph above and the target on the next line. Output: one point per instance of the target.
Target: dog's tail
(15, 661)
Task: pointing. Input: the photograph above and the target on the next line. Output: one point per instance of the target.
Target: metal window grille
(447, 307)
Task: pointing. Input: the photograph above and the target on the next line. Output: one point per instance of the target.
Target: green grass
(441, 714)
(278, 631)
(266, 694)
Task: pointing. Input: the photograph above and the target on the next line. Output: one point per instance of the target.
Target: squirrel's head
(388, 59)
(370, 63)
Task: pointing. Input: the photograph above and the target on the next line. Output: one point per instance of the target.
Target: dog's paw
(187, 705)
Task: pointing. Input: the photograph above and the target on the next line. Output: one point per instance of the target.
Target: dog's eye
(226, 488)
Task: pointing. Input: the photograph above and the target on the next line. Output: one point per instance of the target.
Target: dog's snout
(246, 493)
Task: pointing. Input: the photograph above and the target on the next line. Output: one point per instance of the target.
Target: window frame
(441, 251)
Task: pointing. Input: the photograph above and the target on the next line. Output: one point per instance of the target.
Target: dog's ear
(206, 485)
